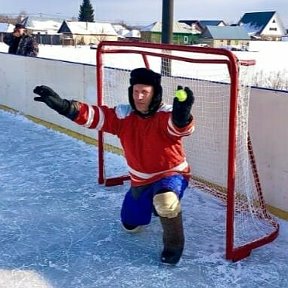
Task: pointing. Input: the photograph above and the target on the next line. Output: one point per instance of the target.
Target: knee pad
(167, 204)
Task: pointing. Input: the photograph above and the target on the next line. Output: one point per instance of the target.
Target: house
(43, 28)
(198, 26)
(182, 33)
(84, 33)
(42, 25)
(231, 37)
(263, 25)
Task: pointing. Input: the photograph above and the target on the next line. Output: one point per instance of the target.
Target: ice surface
(59, 228)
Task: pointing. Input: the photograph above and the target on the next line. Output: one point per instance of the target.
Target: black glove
(181, 113)
(54, 101)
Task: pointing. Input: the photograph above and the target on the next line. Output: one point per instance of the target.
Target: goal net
(220, 149)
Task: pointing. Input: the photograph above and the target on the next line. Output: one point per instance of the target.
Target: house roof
(126, 33)
(44, 24)
(177, 28)
(226, 32)
(255, 22)
(4, 27)
(119, 27)
(133, 34)
(203, 23)
(84, 28)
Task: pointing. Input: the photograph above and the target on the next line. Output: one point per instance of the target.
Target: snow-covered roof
(177, 27)
(4, 27)
(42, 24)
(85, 28)
(133, 34)
(123, 32)
(203, 23)
(251, 29)
(118, 27)
(49, 25)
(255, 22)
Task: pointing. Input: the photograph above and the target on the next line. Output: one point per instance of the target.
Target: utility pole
(167, 21)
(167, 32)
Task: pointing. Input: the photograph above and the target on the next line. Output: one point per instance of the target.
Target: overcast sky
(147, 11)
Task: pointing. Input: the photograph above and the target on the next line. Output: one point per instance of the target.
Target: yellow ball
(181, 95)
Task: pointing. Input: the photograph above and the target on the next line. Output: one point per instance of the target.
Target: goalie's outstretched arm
(47, 95)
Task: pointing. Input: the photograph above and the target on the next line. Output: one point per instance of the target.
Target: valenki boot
(173, 239)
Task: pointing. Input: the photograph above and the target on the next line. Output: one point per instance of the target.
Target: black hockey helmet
(148, 77)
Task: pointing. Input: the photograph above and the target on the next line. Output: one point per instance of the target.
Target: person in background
(20, 43)
(151, 135)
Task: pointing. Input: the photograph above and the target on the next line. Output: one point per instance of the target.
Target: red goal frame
(119, 47)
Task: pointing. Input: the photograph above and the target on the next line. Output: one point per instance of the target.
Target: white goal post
(220, 150)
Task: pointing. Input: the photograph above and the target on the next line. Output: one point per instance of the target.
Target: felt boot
(173, 239)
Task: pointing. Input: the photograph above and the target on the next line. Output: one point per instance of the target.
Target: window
(186, 39)
(272, 29)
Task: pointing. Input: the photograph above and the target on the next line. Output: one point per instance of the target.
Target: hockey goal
(220, 150)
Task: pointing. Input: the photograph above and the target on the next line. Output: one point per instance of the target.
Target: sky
(61, 229)
(139, 12)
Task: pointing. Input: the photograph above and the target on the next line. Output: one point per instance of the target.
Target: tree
(86, 13)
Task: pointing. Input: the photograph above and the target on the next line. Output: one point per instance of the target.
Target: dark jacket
(27, 45)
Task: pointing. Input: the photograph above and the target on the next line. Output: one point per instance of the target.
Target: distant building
(198, 26)
(84, 33)
(182, 33)
(45, 29)
(263, 25)
(42, 25)
(230, 37)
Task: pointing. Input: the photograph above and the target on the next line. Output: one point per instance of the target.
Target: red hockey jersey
(152, 146)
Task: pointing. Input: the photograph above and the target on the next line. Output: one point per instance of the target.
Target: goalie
(151, 135)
